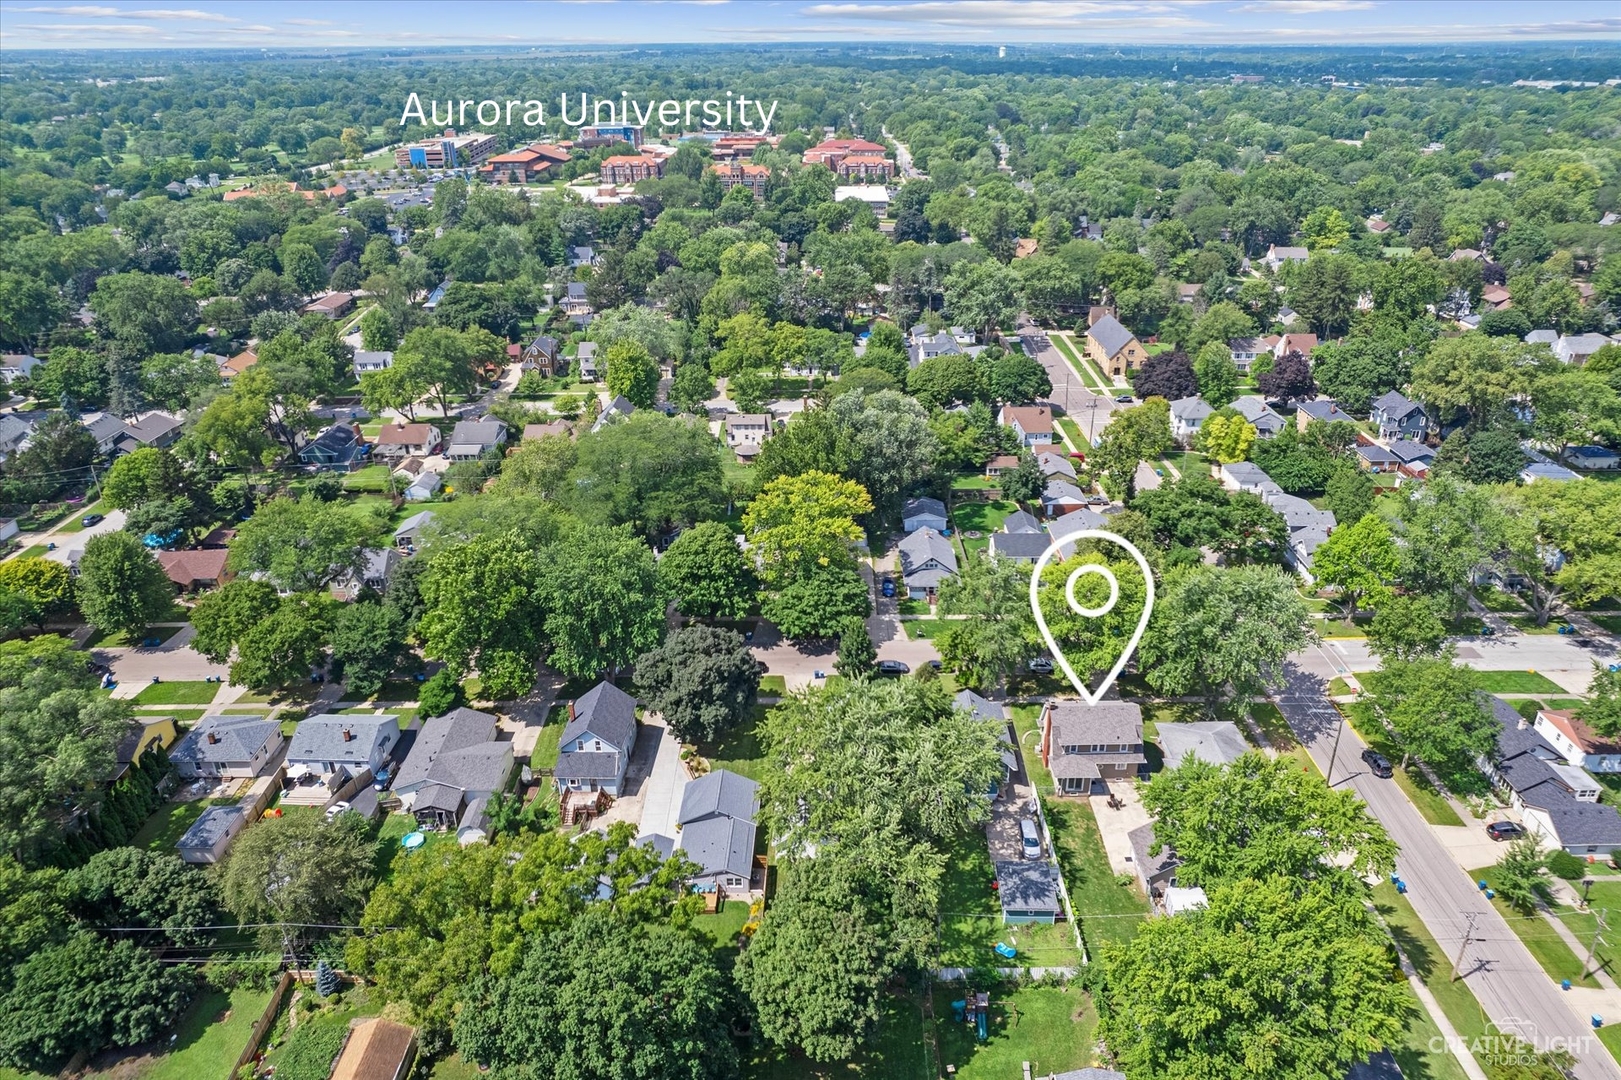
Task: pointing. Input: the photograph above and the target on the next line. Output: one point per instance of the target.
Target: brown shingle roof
(377, 1049)
(186, 567)
(405, 435)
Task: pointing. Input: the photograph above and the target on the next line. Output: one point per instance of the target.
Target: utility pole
(1597, 941)
(1468, 940)
(1334, 754)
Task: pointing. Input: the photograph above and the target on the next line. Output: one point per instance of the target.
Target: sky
(346, 24)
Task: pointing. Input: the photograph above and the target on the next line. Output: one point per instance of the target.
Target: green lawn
(1612, 624)
(1544, 941)
(34, 552)
(210, 1036)
(983, 517)
(1082, 369)
(177, 693)
(370, 478)
(1435, 807)
(1527, 624)
(169, 823)
(544, 755)
(1517, 682)
(393, 690)
(975, 482)
(1496, 600)
(740, 751)
(971, 917)
(1050, 1027)
(723, 927)
(75, 522)
(773, 685)
(918, 629)
(103, 639)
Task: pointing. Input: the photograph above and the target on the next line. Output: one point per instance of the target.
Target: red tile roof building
(753, 177)
(831, 152)
(524, 164)
(629, 168)
(866, 167)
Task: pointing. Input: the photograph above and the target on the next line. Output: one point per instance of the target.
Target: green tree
(1215, 627)
(141, 475)
(1406, 628)
(691, 387)
(1217, 374)
(130, 887)
(300, 545)
(437, 358)
(121, 587)
(222, 617)
(1582, 521)
(602, 1000)
(303, 267)
(818, 602)
(706, 573)
(1474, 375)
(1601, 710)
(804, 521)
(748, 390)
(377, 331)
(702, 680)
(945, 380)
(1130, 438)
(72, 375)
(603, 603)
(484, 608)
(441, 693)
(146, 312)
(998, 634)
(1015, 378)
(1348, 493)
(1521, 876)
(1275, 978)
(983, 295)
(1449, 528)
(633, 373)
(303, 869)
(648, 471)
(367, 644)
(1360, 560)
(1436, 710)
(285, 647)
(1325, 291)
(1226, 439)
(47, 585)
(857, 656)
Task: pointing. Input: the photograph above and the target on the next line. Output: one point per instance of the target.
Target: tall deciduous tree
(303, 869)
(367, 644)
(997, 635)
(633, 373)
(1132, 437)
(1289, 379)
(1168, 375)
(121, 587)
(1360, 560)
(706, 573)
(284, 648)
(703, 680)
(46, 584)
(602, 599)
(1406, 628)
(1436, 709)
(222, 617)
(299, 545)
(1563, 539)
(1601, 711)
(484, 608)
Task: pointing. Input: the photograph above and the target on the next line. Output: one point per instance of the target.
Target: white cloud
(1305, 7)
(89, 11)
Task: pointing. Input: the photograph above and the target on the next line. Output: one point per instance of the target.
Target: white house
(1593, 457)
(14, 366)
(1276, 256)
(927, 560)
(1244, 476)
(597, 741)
(368, 362)
(1187, 417)
(1580, 744)
(924, 513)
(1032, 423)
(1557, 801)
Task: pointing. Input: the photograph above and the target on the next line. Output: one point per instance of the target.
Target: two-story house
(929, 346)
(1085, 746)
(1246, 350)
(1276, 256)
(1398, 417)
(717, 830)
(1261, 416)
(1032, 423)
(1558, 802)
(927, 560)
(1187, 417)
(597, 742)
(544, 355)
(1114, 349)
(748, 428)
(1580, 744)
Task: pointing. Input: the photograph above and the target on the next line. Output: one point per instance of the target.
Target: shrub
(312, 1048)
(441, 693)
(1562, 864)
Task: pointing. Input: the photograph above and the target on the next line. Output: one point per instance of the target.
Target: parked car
(1378, 764)
(335, 809)
(892, 667)
(1505, 830)
(1029, 838)
(92, 519)
(887, 587)
(1124, 399)
(1041, 666)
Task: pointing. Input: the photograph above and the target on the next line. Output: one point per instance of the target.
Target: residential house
(1580, 744)
(15, 433)
(1397, 417)
(377, 1049)
(1466, 255)
(1574, 349)
(112, 435)
(396, 441)
(1557, 801)
(371, 362)
(377, 565)
(1244, 476)
(929, 346)
(334, 745)
(210, 836)
(1308, 526)
(470, 439)
(717, 830)
(158, 429)
(873, 195)
(408, 534)
(1033, 424)
(1245, 350)
(227, 746)
(1114, 349)
(1028, 891)
(545, 356)
(1371, 457)
(1062, 498)
(456, 764)
(194, 569)
(14, 366)
(1276, 256)
(541, 431)
(997, 716)
(748, 428)
(1215, 742)
(432, 302)
(583, 256)
(1055, 466)
(999, 464)
(585, 354)
(1300, 343)
(338, 448)
(236, 365)
(616, 409)
(629, 168)
(924, 513)
(424, 487)
(1085, 746)
(927, 559)
(1156, 873)
(595, 749)
(145, 733)
(1593, 457)
(1546, 470)
(331, 305)
(1187, 417)
(1377, 224)
(1415, 457)
(1021, 522)
(1324, 409)
(1496, 298)
(576, 306)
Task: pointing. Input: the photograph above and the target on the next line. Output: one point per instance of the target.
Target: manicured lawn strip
(210, 1035)
(1082, 369)
(917, 629)
(1611, 623)
(773, 685)
(740, 751)
(1431, 803)
(971, 917)
(1273, 726)
(75, 522)
(982, 517)
(1338, 687)
(1517, 682)
(1108, 911)
(1457, 1001)
(393, 690)
(1527, 624)
(1500, 602)
(975, 482)
(34, 552)
(1544, 941)
(1052, 1026)
(103, 639)
(544, 755)
(177, 693)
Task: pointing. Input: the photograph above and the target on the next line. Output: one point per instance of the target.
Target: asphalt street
(1511, 986)
(1088, 409)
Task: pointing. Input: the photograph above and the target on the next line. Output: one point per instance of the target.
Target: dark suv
(1505, 830)
(1378, 764)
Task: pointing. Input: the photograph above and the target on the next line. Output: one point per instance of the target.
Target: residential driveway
(628, 807)
(75, 541)
(1116, 825)
(1002, 831)
(661, 804)
(1510, 985)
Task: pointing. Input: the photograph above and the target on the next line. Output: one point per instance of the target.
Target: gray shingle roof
(1523, 762)
(1411, 450)
(918, 549)
(1021, 521)
(1215, 741)
(606, 712)
(1396, 406)
(485, 433)
(1323, 409)
(720, 792)
(983, 708)
(1245, 473)
(1110, 335)
(1062, 491)
(720, 844)
(414, 523)
(924, 505)
(1055, 465)
(1191, 408)
(240, 738)
(1026, 886)
(212, 826)
(320, 738)
(1076, 723)
(152, 426)
(458, 749)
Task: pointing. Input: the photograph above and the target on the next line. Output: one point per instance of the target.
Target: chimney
(348, 735)
(571, 712)
(213, 737)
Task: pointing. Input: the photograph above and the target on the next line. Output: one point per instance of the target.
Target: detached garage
(1028, 891)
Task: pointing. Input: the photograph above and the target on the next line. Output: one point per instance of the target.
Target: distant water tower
(1001, 52)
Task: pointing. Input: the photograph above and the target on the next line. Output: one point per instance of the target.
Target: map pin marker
(1053, 550)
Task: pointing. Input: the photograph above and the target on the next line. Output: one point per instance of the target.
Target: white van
(1030, 837)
